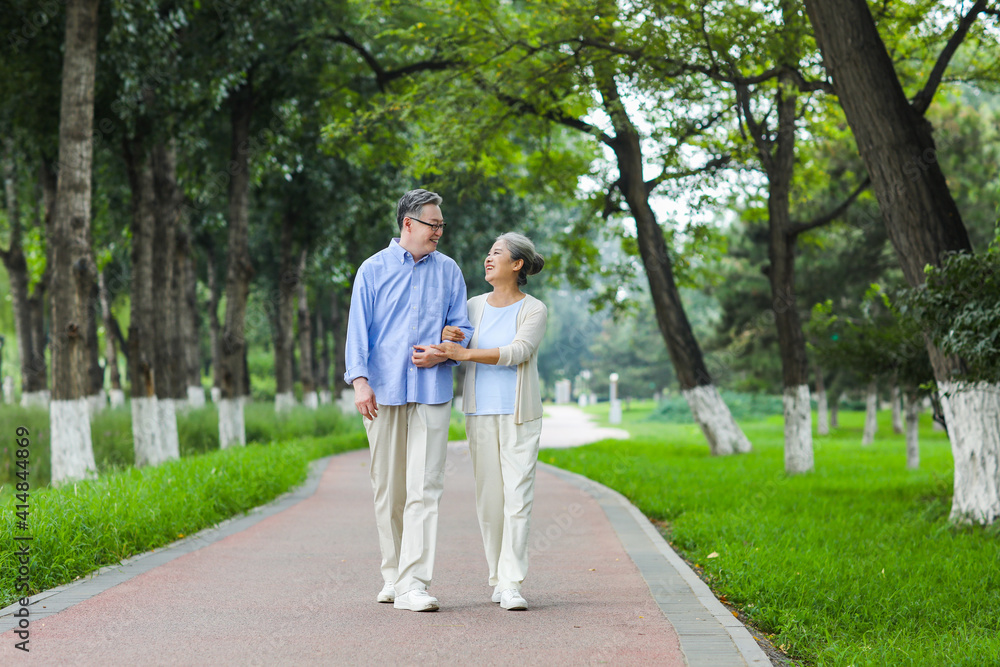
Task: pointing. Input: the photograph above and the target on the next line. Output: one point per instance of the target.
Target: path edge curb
(748, 648)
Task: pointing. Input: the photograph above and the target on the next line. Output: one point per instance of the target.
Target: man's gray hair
(409, 205)
(521, 247)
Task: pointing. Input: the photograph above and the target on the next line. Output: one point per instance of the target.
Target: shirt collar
(401, 253)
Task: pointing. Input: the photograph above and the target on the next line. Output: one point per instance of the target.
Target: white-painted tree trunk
(284, 401)
(311, 400)
(972, 412)
(36, 399)
(170, 448)
(146, 439)
(232, 428)
(117, 398)
(716, 421)
(8, 390)
(196, 396)
(871, 414)
(798, 430)
(72, 449)
(822, 413)
(325, 397)
(216, 394)
(346, 401)
(912, 410)
(897, 413)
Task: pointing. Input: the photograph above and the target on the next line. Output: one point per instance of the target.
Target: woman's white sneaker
(511, 600)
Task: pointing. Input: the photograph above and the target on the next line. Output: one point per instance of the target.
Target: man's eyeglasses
(436, 228)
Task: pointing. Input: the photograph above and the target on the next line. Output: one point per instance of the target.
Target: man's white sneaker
(496, 594)
(511, 600)
(388, 593)
(416, 600)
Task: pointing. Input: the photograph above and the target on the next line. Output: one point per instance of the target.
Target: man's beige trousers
(408, 444)
(504, 455)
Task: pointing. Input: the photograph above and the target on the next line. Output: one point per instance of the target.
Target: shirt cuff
(354, 373)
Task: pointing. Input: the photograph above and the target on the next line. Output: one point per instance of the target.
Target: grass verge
(197, 429)
(853, 564)
(79, 528)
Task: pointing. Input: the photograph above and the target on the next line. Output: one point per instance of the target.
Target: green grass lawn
(853, 564)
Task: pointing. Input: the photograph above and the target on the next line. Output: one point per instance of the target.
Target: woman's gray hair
(410, 204)
(521, 247)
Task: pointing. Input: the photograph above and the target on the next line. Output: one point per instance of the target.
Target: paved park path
(294, 583)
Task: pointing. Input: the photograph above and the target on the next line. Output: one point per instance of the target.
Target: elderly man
(403, 297)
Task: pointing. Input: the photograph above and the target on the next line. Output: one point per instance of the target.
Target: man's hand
(364, 398)
(453, 334)
(450, 351)
(426, 356)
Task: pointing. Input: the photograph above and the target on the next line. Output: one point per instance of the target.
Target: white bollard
(615, 414)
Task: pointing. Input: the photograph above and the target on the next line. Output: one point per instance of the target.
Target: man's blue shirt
(395, 305)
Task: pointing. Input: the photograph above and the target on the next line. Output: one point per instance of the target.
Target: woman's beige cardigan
(522, 351)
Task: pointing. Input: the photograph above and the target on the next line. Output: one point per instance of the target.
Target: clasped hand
(426, 356)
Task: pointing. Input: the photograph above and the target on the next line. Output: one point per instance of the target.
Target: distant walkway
(295, 583)
(569, 426)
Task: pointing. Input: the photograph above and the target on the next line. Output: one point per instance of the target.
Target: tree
(73, 269)
(147, 443)
(17, 269)
(923, 222)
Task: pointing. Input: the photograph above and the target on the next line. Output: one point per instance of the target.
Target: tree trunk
(323, 367)
(835, 412)
(17, 269)
(187, 315)
(822, 417)
(344, 394)
(306, 354)
(723, 434)
(232, 346)
(897, 415)
(37, 390)
(911, 406)
(779, 164)
(166, 330)
(141, 336)
(110, 348)
(97, 398)
(72, 261)
(284, 339)
(970, 415)
(871, 413)
(214, 328)
(922, 221)
(338, 334)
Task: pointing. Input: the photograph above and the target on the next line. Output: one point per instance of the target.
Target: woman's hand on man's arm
(453, 334)
(451, 350)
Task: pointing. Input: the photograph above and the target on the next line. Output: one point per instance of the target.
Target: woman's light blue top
(496, 386)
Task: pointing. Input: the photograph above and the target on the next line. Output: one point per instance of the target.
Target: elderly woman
(503, 408)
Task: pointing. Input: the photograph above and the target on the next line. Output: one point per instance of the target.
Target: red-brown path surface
(298, 587)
